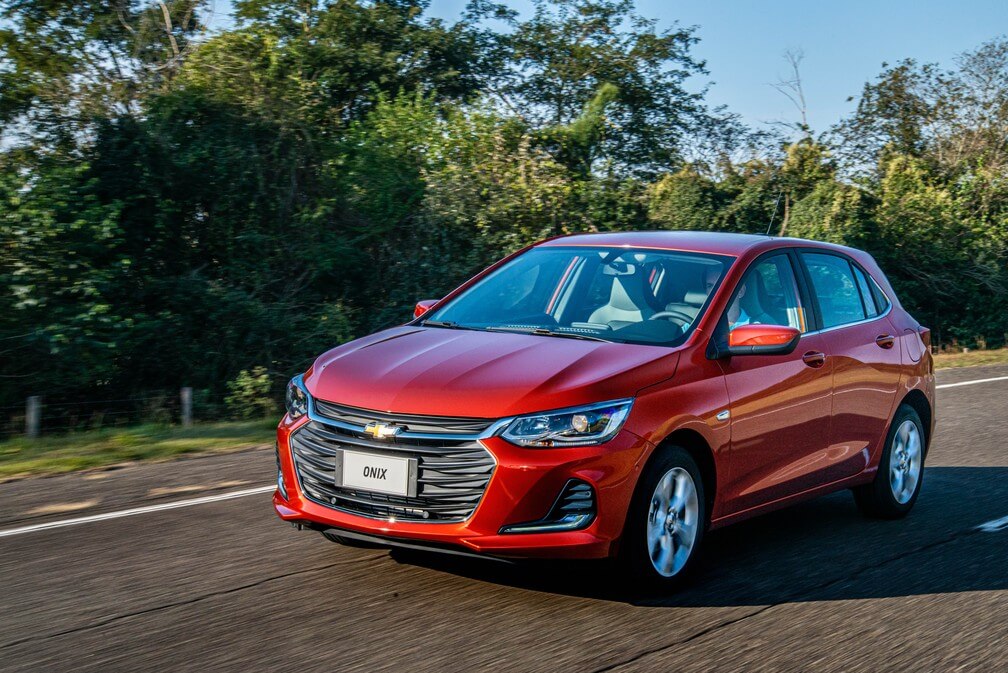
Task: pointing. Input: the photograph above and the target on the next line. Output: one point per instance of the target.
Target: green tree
(834, 212)
(893, 113)
(685, 200)
(632, 77)
(66, 63)
(929, 244)
(177, 208)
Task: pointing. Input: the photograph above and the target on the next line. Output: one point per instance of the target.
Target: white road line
(990, 526)
(995, 525)
(969, 383)
(137, 510)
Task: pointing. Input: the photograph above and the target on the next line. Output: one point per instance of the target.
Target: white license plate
(381, 474)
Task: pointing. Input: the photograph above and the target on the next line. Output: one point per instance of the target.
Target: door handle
(885, 341)
(814, 359)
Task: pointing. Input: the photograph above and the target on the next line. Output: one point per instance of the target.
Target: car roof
(712, 242)
(693, 241)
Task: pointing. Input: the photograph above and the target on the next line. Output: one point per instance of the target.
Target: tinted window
(866, 294)
(767, 294)
(835, 289)
(881, 301)
(616, 294)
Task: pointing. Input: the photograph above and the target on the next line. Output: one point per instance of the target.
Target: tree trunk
(787, 214)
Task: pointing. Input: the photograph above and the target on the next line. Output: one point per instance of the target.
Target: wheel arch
(700, 450)
(918, 401)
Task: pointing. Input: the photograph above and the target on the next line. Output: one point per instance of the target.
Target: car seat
(627, 298)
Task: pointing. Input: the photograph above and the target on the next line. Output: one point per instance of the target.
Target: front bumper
(524, 486)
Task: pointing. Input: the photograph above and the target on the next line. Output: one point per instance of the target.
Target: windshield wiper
(447, 324)
(572, 335)
(542, 331)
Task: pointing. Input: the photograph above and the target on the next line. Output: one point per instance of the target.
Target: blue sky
(844, 44)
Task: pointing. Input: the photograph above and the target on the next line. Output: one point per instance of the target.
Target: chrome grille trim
(454, 468)
(425, 425)
(318, 410)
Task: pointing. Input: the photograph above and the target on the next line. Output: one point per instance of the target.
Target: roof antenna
(769, 226)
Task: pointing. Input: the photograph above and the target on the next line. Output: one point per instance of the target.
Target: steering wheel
(676, 315)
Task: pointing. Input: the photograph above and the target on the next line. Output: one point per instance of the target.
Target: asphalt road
(225, 586)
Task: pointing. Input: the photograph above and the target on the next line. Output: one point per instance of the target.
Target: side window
(866, 294)
(835, 288)
(767, 294)
(881, 300)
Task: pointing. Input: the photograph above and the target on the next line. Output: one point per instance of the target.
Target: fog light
(281, 487)
(574, 509)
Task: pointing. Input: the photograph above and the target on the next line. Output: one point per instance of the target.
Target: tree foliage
(631, 76)
(183, 208)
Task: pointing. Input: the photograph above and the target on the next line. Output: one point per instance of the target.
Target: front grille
(429, 424)
(453, 470)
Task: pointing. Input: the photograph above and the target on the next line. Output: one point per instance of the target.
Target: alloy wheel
(905, 461)
(673, 522)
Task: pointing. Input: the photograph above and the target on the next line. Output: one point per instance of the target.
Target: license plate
(380, 474)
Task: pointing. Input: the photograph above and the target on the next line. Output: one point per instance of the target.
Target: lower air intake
(574, 509)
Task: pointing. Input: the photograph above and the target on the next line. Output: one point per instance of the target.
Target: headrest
(627, 293)
(695, 297)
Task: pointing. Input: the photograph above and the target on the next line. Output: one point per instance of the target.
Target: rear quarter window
(881, 300)
(871, 307)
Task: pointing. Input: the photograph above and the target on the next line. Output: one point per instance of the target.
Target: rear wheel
(901, 470)
(666, 522)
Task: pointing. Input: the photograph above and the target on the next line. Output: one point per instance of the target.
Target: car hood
(446, 372)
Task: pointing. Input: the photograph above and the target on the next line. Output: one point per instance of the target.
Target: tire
(655, 553)
(901, 469)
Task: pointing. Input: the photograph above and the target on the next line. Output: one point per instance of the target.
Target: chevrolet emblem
(382, 431)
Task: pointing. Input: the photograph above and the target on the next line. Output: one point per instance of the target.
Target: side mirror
(763, 340)
(423, 306)
(760, 340)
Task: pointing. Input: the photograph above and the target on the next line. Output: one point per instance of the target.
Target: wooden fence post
(33, 415)
(186, 396)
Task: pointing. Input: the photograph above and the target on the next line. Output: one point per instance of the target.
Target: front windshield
(613, 294)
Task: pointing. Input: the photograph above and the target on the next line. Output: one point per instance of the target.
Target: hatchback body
(615, 395)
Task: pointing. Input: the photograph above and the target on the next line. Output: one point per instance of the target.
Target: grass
(55, 454)
(23, 457)
(971, 358)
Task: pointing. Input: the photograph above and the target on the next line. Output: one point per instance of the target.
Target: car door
(865, 353)
(779, 404)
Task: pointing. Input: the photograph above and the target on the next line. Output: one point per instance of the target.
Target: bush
(251, 395)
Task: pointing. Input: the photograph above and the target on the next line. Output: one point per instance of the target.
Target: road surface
(222, 584)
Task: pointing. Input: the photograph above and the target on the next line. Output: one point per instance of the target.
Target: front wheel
(666, 522)
(901, 470)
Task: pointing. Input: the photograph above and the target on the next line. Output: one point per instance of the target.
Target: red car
(615, 395)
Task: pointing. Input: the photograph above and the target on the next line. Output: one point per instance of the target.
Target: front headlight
(297, 398)
(579, 426)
